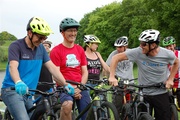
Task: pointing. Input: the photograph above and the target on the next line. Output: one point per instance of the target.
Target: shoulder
(114, 52)
(133, 50)
(166, 52)
(98, 54)
(17, 44)
(78, 46)
(19, 41)
(57, 47)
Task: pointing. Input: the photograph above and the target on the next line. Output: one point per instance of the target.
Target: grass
(3, 66)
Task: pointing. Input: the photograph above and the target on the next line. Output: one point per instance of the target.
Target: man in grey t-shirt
(124, 69)
(152, 62)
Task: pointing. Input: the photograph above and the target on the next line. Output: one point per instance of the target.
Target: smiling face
(70, 34)
(94, 46)
(37, 39)
(145, 47)
(171, 47)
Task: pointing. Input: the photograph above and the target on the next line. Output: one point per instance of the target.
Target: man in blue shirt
(25, 59)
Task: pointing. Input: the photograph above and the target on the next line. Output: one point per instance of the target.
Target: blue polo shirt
(30, 63)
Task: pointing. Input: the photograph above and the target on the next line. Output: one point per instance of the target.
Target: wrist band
(18, 81)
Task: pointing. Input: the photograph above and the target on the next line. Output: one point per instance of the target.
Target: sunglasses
(40, 37)
(143, 44)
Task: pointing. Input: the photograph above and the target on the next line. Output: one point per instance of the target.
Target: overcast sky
(15, 14)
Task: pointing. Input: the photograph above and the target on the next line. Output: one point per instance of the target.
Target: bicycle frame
(42, 105)
(97, 100)
(137, 106)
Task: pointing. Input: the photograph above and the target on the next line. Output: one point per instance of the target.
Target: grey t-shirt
(152, 70)
(124, 68)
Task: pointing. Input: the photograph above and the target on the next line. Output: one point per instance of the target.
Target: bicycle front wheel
(174, 113)
(126, 112)
(56, 109)
(7, 115)
(145, 116)
(107, 111)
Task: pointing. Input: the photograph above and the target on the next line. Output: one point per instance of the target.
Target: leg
(67, 102)
(118, 101)
(161, 106)
(83, 102)
(15, 104)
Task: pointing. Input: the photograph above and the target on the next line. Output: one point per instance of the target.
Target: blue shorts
(81, 104)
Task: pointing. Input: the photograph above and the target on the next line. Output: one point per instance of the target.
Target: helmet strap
(89, 45)
(124, 48)
(151, 49)
(30, 38)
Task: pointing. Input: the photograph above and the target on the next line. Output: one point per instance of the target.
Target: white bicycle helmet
(122, 41)
(149, 35)
(91, 39)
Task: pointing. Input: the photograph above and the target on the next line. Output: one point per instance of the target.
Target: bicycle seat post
(141, 98)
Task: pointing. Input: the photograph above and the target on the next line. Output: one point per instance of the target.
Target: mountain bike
(1, 116)
(173, 106)
(99, 108)
(173, 103)
(41, 107)
(175, 94)
(137, 109)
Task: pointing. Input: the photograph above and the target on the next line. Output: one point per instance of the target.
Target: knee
(66, 107)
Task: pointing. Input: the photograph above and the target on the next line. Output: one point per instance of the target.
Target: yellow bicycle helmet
(39, 26)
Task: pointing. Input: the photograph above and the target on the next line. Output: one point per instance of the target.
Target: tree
(5, 36)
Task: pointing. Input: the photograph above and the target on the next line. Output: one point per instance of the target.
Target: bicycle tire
(1, 116)
(112, 113)
(145, 116)
(174, 112)
(56, 109)
(126, 112)
(107, 111)
(7, 115)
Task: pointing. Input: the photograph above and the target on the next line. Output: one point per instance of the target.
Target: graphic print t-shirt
(69, 60)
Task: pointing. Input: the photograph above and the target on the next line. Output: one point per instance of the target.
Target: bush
(3, 57)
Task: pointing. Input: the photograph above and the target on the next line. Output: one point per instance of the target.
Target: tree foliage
(5, 36)
(129, 18)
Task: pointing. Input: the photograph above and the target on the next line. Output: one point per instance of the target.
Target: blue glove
(70, 89)
(21, 88)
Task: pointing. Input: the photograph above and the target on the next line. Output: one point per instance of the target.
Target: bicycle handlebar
(157, 85)
(46, 83)
(94, 81)
(86, 86)
(60, 90)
